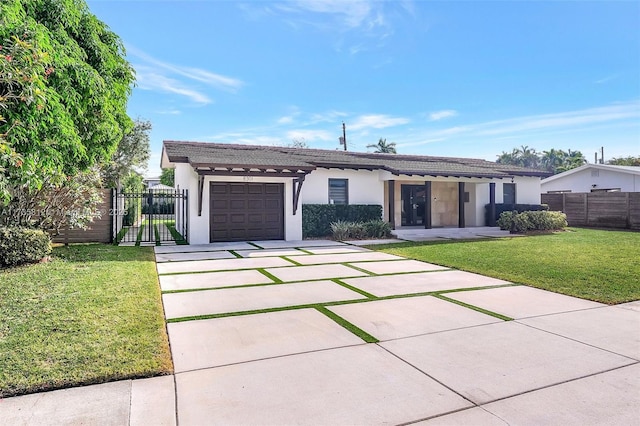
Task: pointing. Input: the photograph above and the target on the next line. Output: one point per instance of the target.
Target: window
(509, 193)
(338, 191)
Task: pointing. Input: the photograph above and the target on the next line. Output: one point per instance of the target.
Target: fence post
(586, 209)
(628, 199)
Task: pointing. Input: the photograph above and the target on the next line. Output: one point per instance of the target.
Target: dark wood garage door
(246, 211)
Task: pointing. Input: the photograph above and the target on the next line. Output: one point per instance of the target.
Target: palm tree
(553, 159)
(382, 147)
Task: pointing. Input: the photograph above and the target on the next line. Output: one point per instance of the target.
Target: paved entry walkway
(324, 333)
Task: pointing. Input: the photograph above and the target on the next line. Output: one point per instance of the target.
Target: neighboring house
(160, 187)
(594, 178)
(246, 192)
(150, 182)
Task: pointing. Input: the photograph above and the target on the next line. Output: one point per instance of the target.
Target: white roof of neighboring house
(160, 186)
(622, 169)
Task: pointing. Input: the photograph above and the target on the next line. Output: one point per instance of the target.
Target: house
(247, 192)
(594, 178)
(151, 181)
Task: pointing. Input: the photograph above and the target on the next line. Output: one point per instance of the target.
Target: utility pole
(343, 138)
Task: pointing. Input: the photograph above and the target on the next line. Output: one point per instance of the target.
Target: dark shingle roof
(202, 154)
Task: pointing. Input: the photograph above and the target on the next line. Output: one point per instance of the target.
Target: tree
(298, 143)
(382, 147)
(53, 206)
(168, 177)
(77, 67)
(132, 154)
(22, 75)
(553, 160)
(625, 161)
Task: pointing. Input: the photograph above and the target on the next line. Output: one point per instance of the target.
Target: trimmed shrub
(501, 208)
(22, 245)
(317, 218)
(342, 230)
(377, 228)
(532, 221)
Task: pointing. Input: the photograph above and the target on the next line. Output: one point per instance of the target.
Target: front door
(413, 203)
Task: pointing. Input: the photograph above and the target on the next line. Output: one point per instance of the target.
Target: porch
(416, 233)
(441, 203)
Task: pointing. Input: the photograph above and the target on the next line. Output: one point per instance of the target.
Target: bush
(532, 221)
(343, 230)
(317, 218)
(501, 208)
(22, 245)
(377, 228)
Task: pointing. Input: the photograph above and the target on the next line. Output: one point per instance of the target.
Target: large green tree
(625, 161)
(79, 73)
(131, 155)
(553, 160)
(383, 147)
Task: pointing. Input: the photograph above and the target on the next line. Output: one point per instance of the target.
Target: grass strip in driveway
(591, 264)
(475, 308)
(347, 325)
(93, 314)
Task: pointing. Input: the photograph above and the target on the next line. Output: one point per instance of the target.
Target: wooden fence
(99, 231)
(598, 209)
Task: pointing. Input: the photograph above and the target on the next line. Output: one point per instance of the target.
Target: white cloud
(538, 126)
(562, 120)
(376, 121)
(197, 74)
(439, 115)
(149, 80)
(310, 135)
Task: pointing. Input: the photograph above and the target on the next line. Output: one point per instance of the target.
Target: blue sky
(445, 78)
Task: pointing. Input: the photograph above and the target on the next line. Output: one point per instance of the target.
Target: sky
(443, 78)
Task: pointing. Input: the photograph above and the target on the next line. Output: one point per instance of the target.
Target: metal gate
(153, 217)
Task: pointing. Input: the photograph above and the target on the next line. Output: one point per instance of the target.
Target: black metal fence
(150, 217)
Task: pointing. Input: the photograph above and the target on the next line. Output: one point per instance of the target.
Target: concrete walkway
(319, 332)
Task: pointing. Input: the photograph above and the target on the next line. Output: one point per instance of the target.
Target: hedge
(501, 208)
(342, 230)
(317, 218)
(532, 221)
(22, 245)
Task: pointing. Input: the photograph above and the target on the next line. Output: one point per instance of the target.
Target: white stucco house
(594, 178)
(246, 192)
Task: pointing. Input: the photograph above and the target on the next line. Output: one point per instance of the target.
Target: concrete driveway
(319, 332)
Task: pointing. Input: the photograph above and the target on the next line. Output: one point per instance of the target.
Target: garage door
(246, 211)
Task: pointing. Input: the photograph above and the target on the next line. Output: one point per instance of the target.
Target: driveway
(319, 332)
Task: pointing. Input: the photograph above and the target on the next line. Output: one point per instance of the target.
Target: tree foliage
(625, 161)
(298, 143)
(53, 206)
(383, 147)
(168, 177)
(74, 68)
(132, 154)
(23, 69)
(553, 160)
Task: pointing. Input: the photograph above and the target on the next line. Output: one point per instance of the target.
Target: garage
(246, 211)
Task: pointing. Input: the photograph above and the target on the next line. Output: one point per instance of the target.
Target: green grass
(591, 264)
(92, 314)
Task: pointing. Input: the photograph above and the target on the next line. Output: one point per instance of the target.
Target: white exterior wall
(365, 187)
(583, 181)
(187, 178)
(527, 189)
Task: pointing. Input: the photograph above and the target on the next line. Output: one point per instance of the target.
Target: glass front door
(413, 203)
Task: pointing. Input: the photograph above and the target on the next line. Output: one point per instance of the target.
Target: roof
(620, 169)
(202, 155)
(160, 186)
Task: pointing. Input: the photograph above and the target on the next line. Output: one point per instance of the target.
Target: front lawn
(92, 314)
(592, 264)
